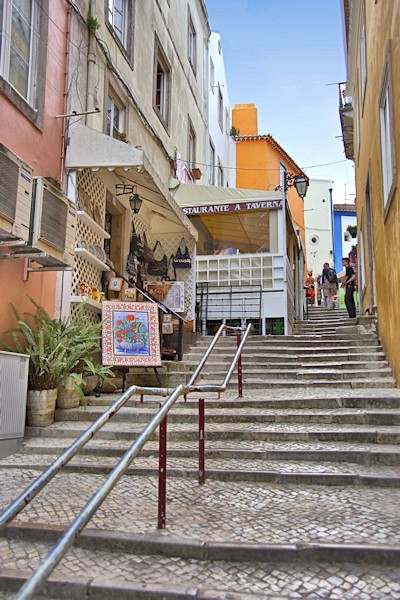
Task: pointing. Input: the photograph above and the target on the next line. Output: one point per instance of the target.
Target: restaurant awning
(191, 196)
(230, 216)
(120, 162)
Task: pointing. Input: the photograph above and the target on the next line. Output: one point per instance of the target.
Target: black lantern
(135, 203)
(300, 182)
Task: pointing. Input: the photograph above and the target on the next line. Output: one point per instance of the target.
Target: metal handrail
(55, 555)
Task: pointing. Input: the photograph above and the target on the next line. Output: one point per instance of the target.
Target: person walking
(329, 287)
(348, 285)
(310, 290)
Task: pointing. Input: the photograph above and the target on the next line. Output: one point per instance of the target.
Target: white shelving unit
(85, 218)
(92, 259)
(94, 305)
(238, 270)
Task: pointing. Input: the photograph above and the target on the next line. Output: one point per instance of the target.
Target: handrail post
(201, 442)
(180, 340)
(239, 367)
(162, 474)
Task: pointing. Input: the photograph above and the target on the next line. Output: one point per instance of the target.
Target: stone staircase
(302, 481)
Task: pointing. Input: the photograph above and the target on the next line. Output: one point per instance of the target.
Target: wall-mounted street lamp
(300, 182)
(135, 201)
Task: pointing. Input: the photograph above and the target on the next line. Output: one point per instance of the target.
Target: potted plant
(58, 349)
(85, 336)
(352, 229)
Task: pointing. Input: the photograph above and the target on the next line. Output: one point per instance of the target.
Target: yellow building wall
(382, 21)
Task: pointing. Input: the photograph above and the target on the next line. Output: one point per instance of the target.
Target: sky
(282, 55)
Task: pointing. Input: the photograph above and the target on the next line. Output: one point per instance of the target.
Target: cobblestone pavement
(265, 429)
(36, 444)
(221, 510)
(320, 392)
(317, 580)
(234, 464)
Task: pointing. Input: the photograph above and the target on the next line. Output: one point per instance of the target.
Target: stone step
(341, 325)
(210, 375)
(310, 472)
(363, 454)
(303, 344)
(228, 342)
(323, 402)
(367, 358)
(226, 511)
(260, 384)
(266, 384)
(335, 415)
(328, 318)
(329, 372)
(195, 355)
(287, 432)
(328, 364)
(183, 567)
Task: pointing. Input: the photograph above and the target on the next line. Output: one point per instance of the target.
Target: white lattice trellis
(95, 203)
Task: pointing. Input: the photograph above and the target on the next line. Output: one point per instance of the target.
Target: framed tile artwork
(131, 334)
(170, 293)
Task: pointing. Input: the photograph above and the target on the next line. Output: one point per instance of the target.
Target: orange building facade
(29, 129)
(261, 163)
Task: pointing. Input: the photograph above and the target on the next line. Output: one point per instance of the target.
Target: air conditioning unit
(15, 197)
(53, 226)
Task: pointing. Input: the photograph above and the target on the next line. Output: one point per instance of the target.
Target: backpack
(331, 276)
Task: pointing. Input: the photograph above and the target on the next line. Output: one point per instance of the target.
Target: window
(115, 119)
(191, 147)
(227, 122)
(356, 108)
(162, 84)
(212, 75)
(120, 21)
(192, 42)
(363, 56)
(18, 48)
(220, 108)
(282, 176)
(386, 131)
(211, 177)
(220, 174)
(117, 17)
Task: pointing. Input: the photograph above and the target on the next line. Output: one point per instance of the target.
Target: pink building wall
(41, 149)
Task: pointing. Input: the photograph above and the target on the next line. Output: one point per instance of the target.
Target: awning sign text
(239, 206)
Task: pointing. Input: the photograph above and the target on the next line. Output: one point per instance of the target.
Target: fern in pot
(85, 336)
(59, 350)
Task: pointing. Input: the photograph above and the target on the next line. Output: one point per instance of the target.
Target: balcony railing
(347, 120)
(345, 101)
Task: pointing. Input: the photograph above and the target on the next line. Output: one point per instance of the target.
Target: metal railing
(55, 555)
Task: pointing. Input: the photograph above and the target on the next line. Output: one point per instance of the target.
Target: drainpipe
(331, 218)
(65, 94)
(90, 74)
(284, 253)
